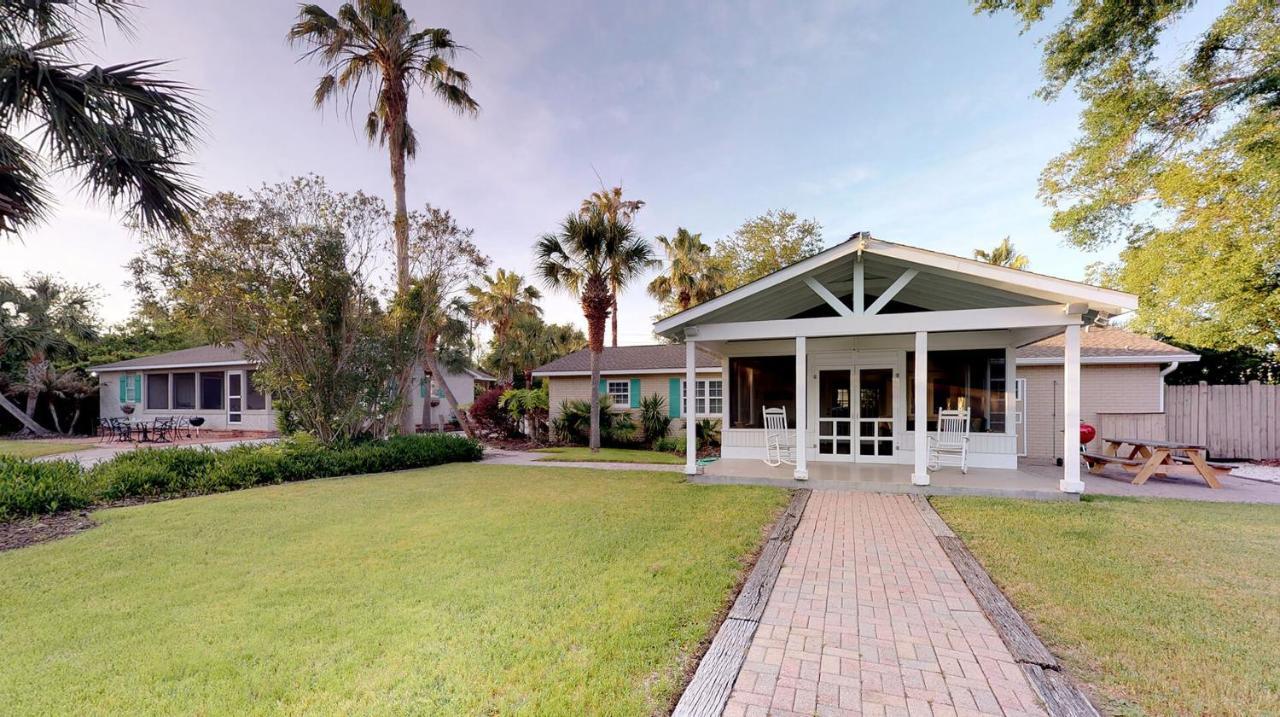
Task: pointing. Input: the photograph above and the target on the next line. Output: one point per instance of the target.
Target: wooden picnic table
(1160, 457)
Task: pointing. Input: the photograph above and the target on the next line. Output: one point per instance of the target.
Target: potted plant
(127, 408)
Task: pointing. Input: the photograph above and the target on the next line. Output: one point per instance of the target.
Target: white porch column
(920, 475)
(802, 408)
(1071, 482)
(690, 424)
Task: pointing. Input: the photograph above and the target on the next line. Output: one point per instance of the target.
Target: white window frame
(701, 397)
(625, 402)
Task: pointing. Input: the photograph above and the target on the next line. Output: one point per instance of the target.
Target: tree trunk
(449, 397)
(428, 379)
(613, 318)
(36, 368)
(28, 423)
(594, 441)
(398, 110)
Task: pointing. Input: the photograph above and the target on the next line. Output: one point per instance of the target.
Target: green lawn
(609, 455)
(34, 448)
(464, 589)
(1163, 607)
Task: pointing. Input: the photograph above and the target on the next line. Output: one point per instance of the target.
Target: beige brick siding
(1102, 388)
(578, 388)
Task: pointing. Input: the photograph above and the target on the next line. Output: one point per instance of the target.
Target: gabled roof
(656, 358)
(211, 355)
(1100, 344)
(944, 282)
(478, 375)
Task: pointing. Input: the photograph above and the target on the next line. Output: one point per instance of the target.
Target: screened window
(211, 390)
(254, 399)
(962, 379)
(158, 391)
(759, 382)
(619, 392)
(184, 391)
(708, 396)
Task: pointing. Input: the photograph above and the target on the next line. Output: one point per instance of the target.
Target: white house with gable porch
(865, 342)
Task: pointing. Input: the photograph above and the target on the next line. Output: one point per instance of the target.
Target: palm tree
(122, 129)
(690, 276)
(500, 301)
(583, 258)
(617, 209)
(373, 42)
(531, 343)
(48, 318)
(1003, 255)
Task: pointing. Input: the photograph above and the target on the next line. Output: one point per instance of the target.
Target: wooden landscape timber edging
(708, 691)
(1061, 696)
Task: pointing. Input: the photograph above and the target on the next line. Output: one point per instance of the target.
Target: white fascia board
(910, 322)
(623, 372)
(170, 367)
(1098, 360)
(1114, 302)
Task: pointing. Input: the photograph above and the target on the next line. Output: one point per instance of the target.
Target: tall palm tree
(500, 301)
(49, 317)
(374, 43)
(690, 277)
(1003, 255)
(583, 258)
(617, 209)
(122, 129)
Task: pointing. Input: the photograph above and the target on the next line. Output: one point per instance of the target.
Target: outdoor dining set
(158, 430)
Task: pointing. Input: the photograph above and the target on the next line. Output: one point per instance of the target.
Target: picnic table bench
(1147, 457)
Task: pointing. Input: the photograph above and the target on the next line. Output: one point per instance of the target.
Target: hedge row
(32, 488)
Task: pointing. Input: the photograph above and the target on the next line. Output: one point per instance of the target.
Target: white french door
(852, 413)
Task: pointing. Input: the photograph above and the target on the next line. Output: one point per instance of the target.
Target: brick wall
(1112, 388)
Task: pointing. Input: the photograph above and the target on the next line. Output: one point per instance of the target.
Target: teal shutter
(673, 397)
(422, 387)
(604, 387)
(635, 393)
(124, 388)
(137, 387)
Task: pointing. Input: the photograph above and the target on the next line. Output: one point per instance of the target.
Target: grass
(1163, 607)
(609, 455)
(36, 447)
(461, 589)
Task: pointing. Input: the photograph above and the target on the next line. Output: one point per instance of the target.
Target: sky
(916, 121)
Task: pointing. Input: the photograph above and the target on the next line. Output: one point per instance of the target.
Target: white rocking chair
(779, 443)
(950, 446)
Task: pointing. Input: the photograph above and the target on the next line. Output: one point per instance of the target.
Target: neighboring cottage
(216, 383)
(1121, 372)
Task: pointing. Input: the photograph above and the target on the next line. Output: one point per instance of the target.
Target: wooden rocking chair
(950, 445)
(779, 442)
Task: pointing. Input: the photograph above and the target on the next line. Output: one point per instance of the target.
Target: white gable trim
(1113, 302)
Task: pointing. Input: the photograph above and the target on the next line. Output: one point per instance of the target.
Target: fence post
(1202, 417)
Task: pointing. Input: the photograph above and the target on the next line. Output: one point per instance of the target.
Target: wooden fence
(1231, 421)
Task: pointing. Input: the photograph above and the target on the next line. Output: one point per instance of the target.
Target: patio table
(1159, 457)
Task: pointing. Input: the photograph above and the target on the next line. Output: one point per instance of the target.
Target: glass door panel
(875, 412)
(835, 419)
(235, 396)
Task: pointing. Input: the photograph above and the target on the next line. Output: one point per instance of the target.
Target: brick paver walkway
(869, 617)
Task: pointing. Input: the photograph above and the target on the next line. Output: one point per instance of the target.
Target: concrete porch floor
(887, 478)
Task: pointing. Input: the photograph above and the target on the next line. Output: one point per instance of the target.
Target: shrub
(488, 415)
(670, 444)
(708, 432)
(29, 487)
(573, 425)
(622, 430)
(654, 417)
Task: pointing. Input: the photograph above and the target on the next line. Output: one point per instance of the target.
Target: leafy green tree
(530, 343)
(48, 319)
(583, 259)
(1177, 159)
(617, 209)
(765, 244)
(443, 259)
(290, 270)
(121, 129)
(689, 276)
(501, 301)
(1003, 254)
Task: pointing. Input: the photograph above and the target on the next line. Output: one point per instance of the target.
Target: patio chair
(950, 445)
(123, 430)
(162, 430)
(779, 443)
(106, 430)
